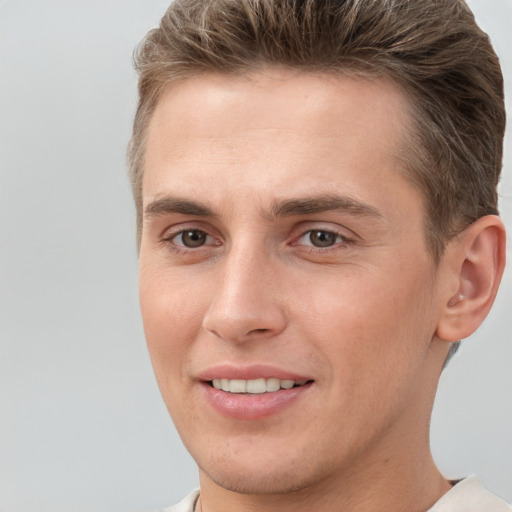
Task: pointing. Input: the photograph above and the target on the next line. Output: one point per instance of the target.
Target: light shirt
(469, 495)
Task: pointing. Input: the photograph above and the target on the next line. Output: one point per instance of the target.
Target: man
(316, 193)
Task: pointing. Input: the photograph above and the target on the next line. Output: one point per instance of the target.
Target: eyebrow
(323, 203)
(280, 208)
(169, 204)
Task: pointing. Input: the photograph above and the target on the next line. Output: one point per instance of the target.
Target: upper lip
(250, 372)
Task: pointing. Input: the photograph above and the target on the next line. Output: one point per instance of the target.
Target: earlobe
(477, 263)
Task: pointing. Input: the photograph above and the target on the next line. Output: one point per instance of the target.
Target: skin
(361, 317)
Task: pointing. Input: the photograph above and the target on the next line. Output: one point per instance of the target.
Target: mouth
(255, 386)
(253, 392)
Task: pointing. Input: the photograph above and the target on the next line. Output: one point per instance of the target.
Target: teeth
(255, 386)
(287, 384)
(238, 386)
(273, 385)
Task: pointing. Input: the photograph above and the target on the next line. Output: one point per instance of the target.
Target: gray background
(82, 426)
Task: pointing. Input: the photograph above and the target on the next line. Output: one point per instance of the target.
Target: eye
(191, 238)
(321, 238)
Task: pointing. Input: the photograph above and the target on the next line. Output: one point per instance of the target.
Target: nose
(246, 300)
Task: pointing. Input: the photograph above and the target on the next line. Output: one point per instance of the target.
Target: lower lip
(255, 406)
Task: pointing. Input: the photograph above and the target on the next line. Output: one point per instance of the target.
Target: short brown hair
(433, 49)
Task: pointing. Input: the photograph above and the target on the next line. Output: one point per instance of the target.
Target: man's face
(281, 242)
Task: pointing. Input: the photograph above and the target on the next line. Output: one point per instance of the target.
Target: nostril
(242, 322)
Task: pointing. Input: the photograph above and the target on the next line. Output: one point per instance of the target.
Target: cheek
(368, 323)
(171, 318)
(172, 315)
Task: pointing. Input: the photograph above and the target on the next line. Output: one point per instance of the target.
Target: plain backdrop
(82, 425)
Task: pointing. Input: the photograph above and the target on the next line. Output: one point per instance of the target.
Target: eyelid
(329, 231)
(179, 234)
(172, 230)
(342, 238)
(342, 231)
(170, 233)
(345, 238)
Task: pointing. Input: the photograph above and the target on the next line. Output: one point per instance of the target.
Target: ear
(474, 261)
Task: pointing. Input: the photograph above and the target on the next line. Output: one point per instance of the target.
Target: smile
(255, 386)
(254, 399)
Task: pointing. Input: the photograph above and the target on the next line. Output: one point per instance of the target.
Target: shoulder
(469, 495)
(187, 504)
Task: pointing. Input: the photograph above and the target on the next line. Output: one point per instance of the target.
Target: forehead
(314, 103)
(274, 130)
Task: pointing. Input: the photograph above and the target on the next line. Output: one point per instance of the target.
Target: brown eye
(191, 238)
(323, 238)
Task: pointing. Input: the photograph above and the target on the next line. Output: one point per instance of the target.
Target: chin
(265, 471)
(245, 481)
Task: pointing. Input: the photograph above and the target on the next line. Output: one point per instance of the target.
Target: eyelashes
(193, 240)
(321, 238)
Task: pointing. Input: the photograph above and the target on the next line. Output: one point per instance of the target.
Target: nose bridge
(245, 303)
